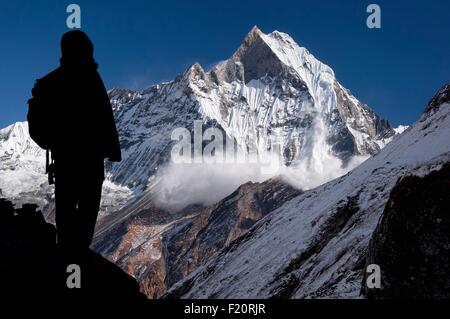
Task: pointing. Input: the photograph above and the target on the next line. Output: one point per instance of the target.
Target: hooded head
(76, 48)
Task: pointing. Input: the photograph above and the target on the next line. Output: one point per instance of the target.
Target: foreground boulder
(32, 267)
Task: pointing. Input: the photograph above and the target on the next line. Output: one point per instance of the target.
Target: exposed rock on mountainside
(133, 240)
(193, 242)
(411, 244)
(442, 97)
(159, 248)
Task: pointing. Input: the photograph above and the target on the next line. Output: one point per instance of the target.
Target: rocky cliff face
(412, 240)
(441, 98)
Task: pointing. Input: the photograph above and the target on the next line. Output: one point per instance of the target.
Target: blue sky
(395, 69)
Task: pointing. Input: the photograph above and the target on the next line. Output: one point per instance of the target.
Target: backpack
(39, 126)
(39, 122)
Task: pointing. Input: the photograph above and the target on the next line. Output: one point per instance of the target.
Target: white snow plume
(179, 185)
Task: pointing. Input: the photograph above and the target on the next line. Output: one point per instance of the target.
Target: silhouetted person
(71, 115)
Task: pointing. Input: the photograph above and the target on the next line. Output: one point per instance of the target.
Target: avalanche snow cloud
(178, 185)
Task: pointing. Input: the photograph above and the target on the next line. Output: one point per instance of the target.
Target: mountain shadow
(33, 267)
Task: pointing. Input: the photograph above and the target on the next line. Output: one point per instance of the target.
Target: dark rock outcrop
(193, 244)
(288, 279)
(411, 244)
(32, 266)
(443, 96)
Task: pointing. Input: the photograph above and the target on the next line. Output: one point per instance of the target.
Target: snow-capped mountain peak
(15, 139)
(274, 96)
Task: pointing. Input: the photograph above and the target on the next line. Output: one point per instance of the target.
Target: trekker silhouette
(70, 111)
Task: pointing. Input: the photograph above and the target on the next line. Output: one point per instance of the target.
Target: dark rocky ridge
(253, 60)
(218, 226)
(443, 96)
(411, 244)
(365, 120)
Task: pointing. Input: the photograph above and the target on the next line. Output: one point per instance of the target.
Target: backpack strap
(50, 167)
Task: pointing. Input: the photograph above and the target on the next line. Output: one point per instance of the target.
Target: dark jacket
(82, 122)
